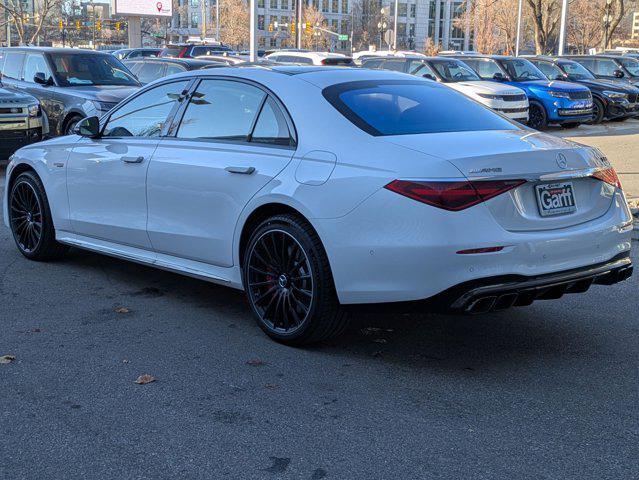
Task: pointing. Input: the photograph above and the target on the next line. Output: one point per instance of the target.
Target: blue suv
(565, 103)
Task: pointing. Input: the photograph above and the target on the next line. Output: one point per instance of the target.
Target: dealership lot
(547, 391)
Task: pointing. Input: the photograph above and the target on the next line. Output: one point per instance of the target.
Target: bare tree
(316, 39)
(28, 24)
(617, 12)
(545, 16)
(493, 23)
(234, 23)
(366, 14)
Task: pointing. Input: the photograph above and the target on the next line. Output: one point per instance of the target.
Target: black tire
(570, 125)
(288, 283)
(30, 219)
(537, 117)
(598, 111)
(71, 123)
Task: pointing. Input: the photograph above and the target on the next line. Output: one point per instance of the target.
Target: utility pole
(395, 26)
(93, 24)
(217, 20)
(253, 32)
(203, 14)
(298, 32)
(518, 29)
(562, 28)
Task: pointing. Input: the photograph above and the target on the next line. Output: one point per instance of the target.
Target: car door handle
(243, 170)
(139, 159)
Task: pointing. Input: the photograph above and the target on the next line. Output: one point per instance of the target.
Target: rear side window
(221, 110)
(399, 107)
(607, 67)
(35, 63)
(171, 69)
(486, 69)
(343, 62)
(372, 63)
(13, 65)
(395, 65)
(271, 126)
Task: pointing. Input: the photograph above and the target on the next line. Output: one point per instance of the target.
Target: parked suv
(621, 69)
(611, 100)
(21, 121)
(567, 104)
(69, 83)
(192, 50)
(311, 58)
(509, 101)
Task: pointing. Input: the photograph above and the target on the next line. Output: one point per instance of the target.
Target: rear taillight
(452, 195)
(609, 176)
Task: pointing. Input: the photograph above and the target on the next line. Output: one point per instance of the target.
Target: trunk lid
(522, 154)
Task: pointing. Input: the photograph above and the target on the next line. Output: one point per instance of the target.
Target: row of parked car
(48, 90)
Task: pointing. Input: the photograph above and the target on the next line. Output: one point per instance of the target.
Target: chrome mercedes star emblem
(562, 162)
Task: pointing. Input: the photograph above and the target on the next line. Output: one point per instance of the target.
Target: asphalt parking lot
(548, 391)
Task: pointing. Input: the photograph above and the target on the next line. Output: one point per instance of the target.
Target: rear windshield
(171, 51)
(404, 107)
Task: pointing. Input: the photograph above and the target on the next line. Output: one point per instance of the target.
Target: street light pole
(395, 26)
(518, 29)
(253, 32)
(562, 28)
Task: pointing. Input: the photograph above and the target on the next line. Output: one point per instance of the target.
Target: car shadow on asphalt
(452, 343)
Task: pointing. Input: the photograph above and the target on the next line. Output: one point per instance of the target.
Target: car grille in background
(11, 110)
(513, 98)
(633, 97)
(512, 110)
(580, 95)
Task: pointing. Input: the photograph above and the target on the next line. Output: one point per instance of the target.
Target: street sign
(343, 38)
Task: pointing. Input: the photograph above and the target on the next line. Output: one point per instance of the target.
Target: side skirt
(228, 276)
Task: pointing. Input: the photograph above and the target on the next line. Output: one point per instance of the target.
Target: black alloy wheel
(30, 219)
(26, 216)
(288, 282)
(537, 117)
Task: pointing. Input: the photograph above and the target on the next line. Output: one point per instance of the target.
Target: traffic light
(98, 25)
(270, 27)
(117, 26)
(308, 27)
(60, 25)
(77, 24)
(293, 28)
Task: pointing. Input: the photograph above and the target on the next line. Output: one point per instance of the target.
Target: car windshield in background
(631, 65)
(454, 71)
(576, 71)
(522, 70)
(73, 69)
(400, 107)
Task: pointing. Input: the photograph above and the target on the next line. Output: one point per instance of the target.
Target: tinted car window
(203, 50)
(395, 65)
(372, 63)
(35, 63)
(606, 67)
(174, 68)
(576, 71)
(410, 107)
(221, 110)
(522, 70)
(423, 70)
(90, 69)
(271, 126)
(486, 69)
(550, 70)
(631, 65)
(150, 71)
(589, 63)
(145, 115)
(13, 65)
(454, 71)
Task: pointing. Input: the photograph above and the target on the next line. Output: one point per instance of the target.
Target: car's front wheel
(537, 117)
(69, 129)
(30, 219)
(288, 282)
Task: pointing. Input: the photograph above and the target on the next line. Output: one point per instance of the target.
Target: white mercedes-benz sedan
(317, 188)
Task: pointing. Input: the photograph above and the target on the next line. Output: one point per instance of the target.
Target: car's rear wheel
(288, 282)
(537, 117)
(30, 219)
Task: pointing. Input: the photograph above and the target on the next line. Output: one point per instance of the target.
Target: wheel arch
(68, 116)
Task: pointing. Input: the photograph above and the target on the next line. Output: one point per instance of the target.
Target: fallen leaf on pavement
(144, 379)
(255, 362)
(125, 361)
(7, 358)
(122, 310)
(271, 386)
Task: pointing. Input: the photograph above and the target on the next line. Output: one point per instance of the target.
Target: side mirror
(41, 79)
(561, 77)
(618, 74)
(498, 76)
(428, 76)
(88, 127)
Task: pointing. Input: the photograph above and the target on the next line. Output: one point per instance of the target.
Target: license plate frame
(555, 199)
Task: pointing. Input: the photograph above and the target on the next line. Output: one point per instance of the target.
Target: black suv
(621, 69)
(69, 83)
(192, 50)
(611, 100)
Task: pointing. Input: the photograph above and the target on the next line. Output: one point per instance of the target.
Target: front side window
(454, 71)
(551, 71)
(576, 71)
(422, 69)
(221, 110)
(13, 65)
(73, 69)
(486, 69)
(146, 114)
(400, 107)
(522, 70)
(606, 67)
(395, 65)
(631, 65)
(35, 63)
(150, 71)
